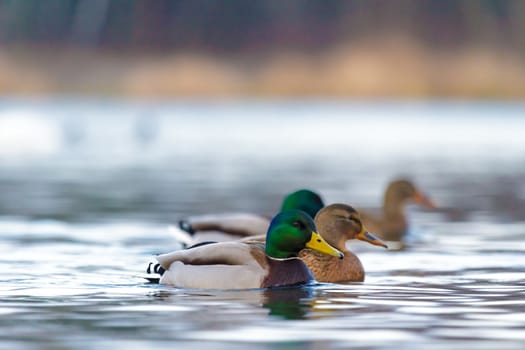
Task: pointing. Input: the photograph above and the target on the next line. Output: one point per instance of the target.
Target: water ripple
(81, 221)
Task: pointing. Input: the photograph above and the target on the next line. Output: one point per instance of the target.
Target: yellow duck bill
(318, 243)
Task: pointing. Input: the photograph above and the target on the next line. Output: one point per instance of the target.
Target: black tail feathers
(154, 271)
(155, 268)
(186, 226)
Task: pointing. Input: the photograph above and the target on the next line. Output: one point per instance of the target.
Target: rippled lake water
(88, 189)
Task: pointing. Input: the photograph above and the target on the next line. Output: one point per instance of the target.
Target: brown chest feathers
(286, 273)
(331, 269)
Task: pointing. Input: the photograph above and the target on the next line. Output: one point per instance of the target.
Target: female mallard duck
(240, 265)
(338, 223)
(233, 226)
(391, 224)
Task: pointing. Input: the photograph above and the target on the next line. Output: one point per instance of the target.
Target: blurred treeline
(241, 25)
(272, 47)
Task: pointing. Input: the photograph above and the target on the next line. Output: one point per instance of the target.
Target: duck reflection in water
(301, 302)
(292, 303)
(287, 303)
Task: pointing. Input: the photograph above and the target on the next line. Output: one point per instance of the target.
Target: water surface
(90, 187)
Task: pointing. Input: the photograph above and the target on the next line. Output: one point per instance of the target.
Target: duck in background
(242, 265)
(305, 200)
(233, 226)
(391, 223)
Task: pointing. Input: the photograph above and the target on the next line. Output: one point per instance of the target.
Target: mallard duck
(305, 200)
(233, 226)
(391, 223)
(240, 265)
(338, 223)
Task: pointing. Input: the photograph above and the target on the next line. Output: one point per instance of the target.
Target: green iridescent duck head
(293, 230)
(305, 200)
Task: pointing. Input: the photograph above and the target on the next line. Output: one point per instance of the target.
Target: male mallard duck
(239, 265)
(305, 200)
(233, 226)
(391, 224)
(338, 223)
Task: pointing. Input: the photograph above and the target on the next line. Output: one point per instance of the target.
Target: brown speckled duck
(391, 223)
(338, 223)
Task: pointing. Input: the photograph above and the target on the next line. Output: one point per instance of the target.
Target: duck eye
(354, 219)
(300, 225)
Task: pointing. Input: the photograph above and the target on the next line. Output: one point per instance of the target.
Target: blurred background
(335, 48)
(158, 109)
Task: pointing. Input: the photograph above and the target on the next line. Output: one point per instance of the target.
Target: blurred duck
(391, 223)
(338, 223)
(241, 265)
(233, 226)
